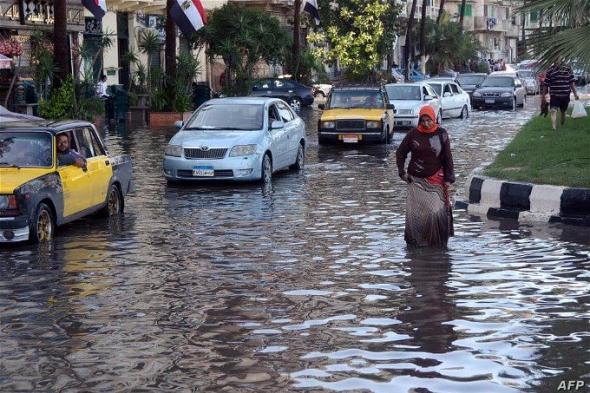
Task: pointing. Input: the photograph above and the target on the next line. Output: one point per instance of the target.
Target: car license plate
(490, 100)
(350, 138)
(203, 171)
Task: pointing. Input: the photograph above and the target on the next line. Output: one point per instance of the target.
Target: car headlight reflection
(173, 150)
(476, 94)
(373, 124)
(242, 150)
(328, 124)
(506, 95)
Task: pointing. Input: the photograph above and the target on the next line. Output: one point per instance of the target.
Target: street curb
(525, 202)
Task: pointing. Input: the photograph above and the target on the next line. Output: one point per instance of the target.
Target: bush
(61, 103)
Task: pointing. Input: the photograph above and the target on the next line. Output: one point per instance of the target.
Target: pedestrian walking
(430, 173)
(559, 83)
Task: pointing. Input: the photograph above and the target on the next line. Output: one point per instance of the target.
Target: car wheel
(42, 226)
(295, 103)
(464, 112)
(114, 206)
(514, 103)
(439, 118)
(323, 141)
(266, 170)
(300, 160)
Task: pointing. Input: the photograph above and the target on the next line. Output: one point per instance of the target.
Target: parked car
(408, 99)
(37, 194)
(529, 79)
(470, 82)
(500, 90)
(455, 102)
(321, 89)
(294, 93)
(238, 138)
(356, 113)
(581, 76)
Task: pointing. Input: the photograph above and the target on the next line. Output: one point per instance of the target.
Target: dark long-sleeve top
(426, 157)
(69, 157)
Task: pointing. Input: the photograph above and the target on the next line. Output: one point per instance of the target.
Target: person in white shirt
(101, 87)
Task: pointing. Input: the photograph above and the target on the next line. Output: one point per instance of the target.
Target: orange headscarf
(427, 110)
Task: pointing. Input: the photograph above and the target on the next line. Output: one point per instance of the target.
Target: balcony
(39, 14)
(493, 24)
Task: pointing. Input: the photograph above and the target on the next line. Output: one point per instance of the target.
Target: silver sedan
(239, 138)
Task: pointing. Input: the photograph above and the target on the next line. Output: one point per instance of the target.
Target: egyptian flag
(311, 7)
(189, 15)
(97, 7)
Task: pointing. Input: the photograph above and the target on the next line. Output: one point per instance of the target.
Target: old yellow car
(44, 183)
(356, 113)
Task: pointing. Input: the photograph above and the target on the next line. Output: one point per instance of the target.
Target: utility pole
(60, 43)
(296, 45)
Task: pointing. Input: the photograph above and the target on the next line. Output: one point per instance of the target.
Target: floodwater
(305, 285)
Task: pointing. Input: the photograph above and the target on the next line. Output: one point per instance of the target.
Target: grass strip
(542, 156)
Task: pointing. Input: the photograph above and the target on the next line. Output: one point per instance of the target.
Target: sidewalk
(525, 202)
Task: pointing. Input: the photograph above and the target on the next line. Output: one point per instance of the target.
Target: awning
(5, 62)
(157, 7)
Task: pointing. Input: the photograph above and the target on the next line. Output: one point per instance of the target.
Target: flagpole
(296, 35)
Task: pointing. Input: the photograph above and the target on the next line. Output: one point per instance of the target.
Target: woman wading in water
(429, 220)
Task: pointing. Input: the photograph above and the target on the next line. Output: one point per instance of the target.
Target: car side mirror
(428, 98)
(447, 94)
(178, 124)
(277, 124)
(321, 106)
(391, 106)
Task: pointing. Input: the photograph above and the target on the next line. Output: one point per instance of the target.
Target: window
(96, 145)
(285, 112)
(534, 16)
(273, 115)
(447, 90)
(468, 10)
(455, 88)
(85, 142)
(490, 11)
(425, 91)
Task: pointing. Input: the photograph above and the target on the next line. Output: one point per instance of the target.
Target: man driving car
(67, 156)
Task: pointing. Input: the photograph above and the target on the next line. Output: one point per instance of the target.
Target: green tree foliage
(565, 37)
(243, 37)
(357, 33)
(448, 45)
(187, 68)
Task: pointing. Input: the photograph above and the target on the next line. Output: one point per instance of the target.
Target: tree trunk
(296, 47)
(170, 55)
(423, 35)
(408, 44)
(60, 43)
(522, 22)
(462, 17)
(440, 11)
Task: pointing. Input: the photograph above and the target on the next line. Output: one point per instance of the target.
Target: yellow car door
(76, 189)
(99, 167)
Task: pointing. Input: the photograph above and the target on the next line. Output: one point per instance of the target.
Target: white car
(237, 138)
(408, 99)
(322, 89)
(455, 101)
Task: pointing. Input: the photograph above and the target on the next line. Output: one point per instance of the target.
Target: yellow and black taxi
(52, 173)
(356, 113)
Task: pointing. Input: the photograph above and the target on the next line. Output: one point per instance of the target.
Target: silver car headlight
(242, 150)
(476, 94)
(506, 94)
(373, 124)
(328, 124)
(173, 151)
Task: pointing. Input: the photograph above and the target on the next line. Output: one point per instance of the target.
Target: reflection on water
(304, 285)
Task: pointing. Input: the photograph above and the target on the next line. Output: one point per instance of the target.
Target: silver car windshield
(228, 117)
(498, 82)
(404, 93)
(25, 150)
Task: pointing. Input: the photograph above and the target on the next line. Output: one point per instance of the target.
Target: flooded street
(305, 285)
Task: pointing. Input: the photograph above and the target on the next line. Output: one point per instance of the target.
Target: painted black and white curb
(526, 202)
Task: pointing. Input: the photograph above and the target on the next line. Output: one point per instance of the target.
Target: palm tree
(566, 37)
(149, 44)
(60, 42)
(409, 29)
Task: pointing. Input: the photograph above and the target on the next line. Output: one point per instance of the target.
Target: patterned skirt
(429, 218)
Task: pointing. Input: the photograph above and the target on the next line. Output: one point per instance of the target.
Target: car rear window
(498, 81)
(26, 149)
(404, 93)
